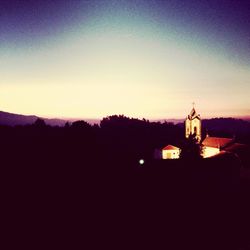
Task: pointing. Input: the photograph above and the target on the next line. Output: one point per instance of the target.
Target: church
(193, 125)
(210, 146)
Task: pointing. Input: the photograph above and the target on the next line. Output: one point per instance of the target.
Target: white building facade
(171, 152)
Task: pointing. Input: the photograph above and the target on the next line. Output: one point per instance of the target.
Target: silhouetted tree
(66, 125)
(40, 123)
(80, 125)
(191, 148)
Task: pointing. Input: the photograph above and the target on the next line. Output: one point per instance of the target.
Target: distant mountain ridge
(11, 119)
(174, 121)
(231, 125)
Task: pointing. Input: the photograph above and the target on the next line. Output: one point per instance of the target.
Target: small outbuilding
(171, 152)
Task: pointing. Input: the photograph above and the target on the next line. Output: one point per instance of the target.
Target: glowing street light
(141, 161)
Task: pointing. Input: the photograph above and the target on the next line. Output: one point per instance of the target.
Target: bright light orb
(141, 161)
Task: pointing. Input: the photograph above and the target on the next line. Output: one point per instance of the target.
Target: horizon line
(140, 118)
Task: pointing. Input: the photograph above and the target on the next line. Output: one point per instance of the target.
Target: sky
(141, 58)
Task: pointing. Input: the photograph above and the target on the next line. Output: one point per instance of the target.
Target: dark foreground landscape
(63, 184)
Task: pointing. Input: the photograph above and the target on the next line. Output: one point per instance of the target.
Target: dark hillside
(227, 127)
(90, 177)
(11, 119)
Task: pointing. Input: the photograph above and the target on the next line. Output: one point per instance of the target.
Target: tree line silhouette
(116, 138)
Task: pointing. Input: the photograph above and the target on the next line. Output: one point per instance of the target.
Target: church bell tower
(193, 125)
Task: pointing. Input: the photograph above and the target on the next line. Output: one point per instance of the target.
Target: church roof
(170, 147)
(216, 142)
(240, 151)
(237, 148)
(193, 114)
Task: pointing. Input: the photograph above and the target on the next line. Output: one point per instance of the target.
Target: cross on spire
(193, 103)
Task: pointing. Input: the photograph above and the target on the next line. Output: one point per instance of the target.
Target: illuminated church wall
(209, 151)
(193, 125)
